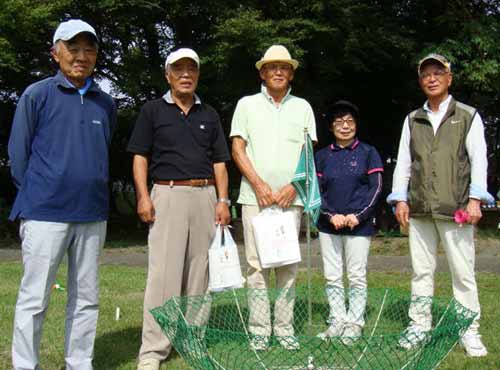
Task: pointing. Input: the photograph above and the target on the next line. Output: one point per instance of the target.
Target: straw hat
(277, 53)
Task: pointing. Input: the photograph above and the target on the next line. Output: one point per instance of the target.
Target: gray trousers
(178, 255)
(44, 245)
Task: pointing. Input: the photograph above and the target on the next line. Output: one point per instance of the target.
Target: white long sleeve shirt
(475, 145)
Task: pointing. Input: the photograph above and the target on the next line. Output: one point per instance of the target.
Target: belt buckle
(198, 182)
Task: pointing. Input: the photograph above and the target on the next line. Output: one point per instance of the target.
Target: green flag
(308, 190)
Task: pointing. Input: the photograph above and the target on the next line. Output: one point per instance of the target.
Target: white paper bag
(224, 263)
(276, 237)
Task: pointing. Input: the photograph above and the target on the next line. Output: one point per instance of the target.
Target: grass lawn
(117, 342)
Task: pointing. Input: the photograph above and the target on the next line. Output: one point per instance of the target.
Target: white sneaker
(259, 343)
(334, 330)
(351, 334)
(473, 345)
(149, 364)
(289, 343)
(412, 337)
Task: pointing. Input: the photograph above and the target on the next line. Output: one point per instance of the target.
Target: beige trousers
(178, 245)
(425, 234)
(259, 322)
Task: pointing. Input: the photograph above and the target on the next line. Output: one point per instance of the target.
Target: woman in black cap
(350, 178)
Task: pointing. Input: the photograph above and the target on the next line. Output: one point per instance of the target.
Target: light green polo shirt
(274, 136)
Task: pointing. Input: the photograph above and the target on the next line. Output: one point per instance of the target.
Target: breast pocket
(203, 133)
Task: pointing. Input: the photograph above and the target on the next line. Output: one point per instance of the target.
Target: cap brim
(182, 57)
(294, 63)
(435, 60)
(74, 34)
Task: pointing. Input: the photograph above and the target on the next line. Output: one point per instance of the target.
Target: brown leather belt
(192, 182)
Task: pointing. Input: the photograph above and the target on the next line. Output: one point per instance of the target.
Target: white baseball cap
(69, 29)
(182, 53)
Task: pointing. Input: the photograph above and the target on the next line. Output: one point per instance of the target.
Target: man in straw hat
(441, 169)
(267, 136)
(58, 150)
(179, 140)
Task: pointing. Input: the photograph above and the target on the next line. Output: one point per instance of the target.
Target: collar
(269, 98)
(168, 98)
(352, 146)
(443, 107)
(62, 81)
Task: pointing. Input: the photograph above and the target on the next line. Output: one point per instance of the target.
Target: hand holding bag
(276, 237)
(224, 262)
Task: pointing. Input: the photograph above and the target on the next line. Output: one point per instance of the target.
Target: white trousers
(259, 322)
(458, 242)
(356, 250)
(44, 245)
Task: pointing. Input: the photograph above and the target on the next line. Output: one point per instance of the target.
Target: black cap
(344, 106)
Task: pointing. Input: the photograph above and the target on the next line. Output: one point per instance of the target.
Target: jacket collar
(62, 81)
(422, 112)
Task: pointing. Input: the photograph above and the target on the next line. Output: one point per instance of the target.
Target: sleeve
(220, 150)
(402, 172)
(374, 172)
(239, 122)
(141, 140)
(475, 145)
(21, 137)
(311, 123)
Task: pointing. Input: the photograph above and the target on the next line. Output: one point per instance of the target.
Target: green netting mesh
(211, 331)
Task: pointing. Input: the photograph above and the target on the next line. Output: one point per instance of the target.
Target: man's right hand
(403, 214)
(146, 210)
(264, 194)
(338, 221)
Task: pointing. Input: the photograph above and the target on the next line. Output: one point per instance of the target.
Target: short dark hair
(341, 108)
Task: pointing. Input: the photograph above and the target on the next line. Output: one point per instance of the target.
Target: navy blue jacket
(350, 182)
(58, 152)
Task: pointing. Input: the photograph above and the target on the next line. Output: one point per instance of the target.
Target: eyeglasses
(425, 76)
(274, 67)
(179, 70)
(340, 122)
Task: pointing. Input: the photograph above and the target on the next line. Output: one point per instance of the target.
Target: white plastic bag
(223, 262)
(276, 237)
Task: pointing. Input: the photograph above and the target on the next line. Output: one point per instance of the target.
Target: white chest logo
(96, 122)
(202, 127)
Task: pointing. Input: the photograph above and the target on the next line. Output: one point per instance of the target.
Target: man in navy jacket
(58, 152)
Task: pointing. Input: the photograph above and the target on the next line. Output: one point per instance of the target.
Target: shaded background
(364, 51)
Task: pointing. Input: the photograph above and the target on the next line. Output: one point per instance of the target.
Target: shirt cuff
(395, 197)
(475, 192)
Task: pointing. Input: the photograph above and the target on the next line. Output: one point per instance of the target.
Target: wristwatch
(224, 200)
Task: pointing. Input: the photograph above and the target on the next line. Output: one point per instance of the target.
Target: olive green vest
(440, 167)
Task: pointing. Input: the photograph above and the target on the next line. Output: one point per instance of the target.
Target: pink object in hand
(461, 217)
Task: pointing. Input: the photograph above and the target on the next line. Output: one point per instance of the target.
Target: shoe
(351, 334)
(289, 343)
(149, 364)
(334, 330)
(259, 343)
(473, 345)
(412, 337)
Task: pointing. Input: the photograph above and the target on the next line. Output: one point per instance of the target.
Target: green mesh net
(212, 331)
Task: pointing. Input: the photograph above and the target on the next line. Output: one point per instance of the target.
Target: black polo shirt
(179, 146)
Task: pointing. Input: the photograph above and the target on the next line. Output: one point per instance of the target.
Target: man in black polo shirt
(182, 141)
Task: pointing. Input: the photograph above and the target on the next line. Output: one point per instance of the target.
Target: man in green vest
(441, 169)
